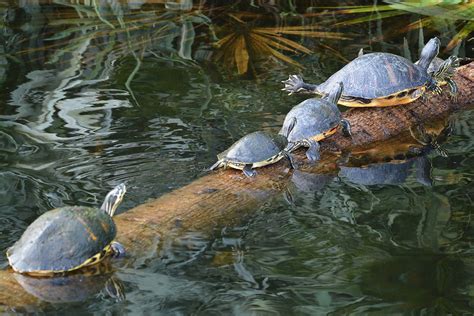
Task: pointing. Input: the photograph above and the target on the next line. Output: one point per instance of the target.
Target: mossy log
(226, 196)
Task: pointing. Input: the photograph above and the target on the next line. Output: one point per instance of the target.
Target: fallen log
(226, 196)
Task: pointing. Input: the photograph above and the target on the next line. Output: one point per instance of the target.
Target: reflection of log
(226, 196)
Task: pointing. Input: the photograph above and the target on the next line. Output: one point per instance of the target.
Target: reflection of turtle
(310, 182)
(254, 150)
(72, 287)
(430, 140)
(68, 238)
(381, 79)
(316, 119)
(389, 173)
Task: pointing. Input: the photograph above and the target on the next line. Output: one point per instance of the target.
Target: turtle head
(335, 93)
(429, 52)
(113, 199)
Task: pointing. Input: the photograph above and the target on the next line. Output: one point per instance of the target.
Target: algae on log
(226, 195)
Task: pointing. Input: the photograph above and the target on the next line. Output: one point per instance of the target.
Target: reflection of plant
(438, 15)
(244, 43)
(8, 42)
(100, 33)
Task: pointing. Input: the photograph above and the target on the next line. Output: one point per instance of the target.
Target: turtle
(381, 79)
(316, 120)
(254, 150)
(68, 238)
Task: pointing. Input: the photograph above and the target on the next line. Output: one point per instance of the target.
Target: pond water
(93, 96)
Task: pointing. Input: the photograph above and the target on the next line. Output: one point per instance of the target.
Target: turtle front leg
(118, 250)
(434, 87)
(295, 84)
(346, 128)
(313, 151)
(248, 171)
(453, 89)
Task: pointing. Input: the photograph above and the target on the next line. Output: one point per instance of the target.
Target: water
(89, 108)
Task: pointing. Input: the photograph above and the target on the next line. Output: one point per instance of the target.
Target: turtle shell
(61, 240)
(377, 75)
(254, 147)
(314, 117)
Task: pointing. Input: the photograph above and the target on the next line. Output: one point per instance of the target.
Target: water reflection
(310, 182)
(389, 173)
(72, 288)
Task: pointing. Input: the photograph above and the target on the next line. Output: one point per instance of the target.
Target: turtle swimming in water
(381, 79)
(316, 120)
(68, 238)
(255, 150)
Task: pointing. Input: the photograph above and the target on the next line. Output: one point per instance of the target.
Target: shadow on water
(149, 92)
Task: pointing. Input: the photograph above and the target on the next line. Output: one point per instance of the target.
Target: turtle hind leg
(346, 128)
(313, 151)
(248, 171)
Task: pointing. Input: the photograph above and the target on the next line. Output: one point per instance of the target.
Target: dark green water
(70, 129)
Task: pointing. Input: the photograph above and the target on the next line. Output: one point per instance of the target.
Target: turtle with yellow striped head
(68, 238)
(316, 119)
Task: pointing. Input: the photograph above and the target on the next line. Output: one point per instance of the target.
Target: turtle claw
(293, 84)
(118, 250)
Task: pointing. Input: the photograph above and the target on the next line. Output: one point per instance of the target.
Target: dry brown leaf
(308, 33)
(290, 43)
(272, 42)
(241, 55)
(224, 40)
